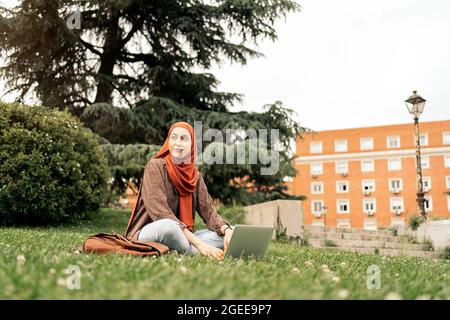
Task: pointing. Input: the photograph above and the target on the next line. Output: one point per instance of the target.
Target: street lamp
(324, 213)
(415, 105)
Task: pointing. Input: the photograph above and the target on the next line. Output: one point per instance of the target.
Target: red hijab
(183, 175)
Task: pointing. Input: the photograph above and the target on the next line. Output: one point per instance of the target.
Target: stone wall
(289, 213)
(437, 231)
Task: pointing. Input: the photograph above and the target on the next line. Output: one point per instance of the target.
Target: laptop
(249, 240)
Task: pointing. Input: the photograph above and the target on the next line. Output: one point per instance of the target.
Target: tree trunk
(108, 59)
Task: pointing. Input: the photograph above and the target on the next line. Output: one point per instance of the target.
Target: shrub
(234, 214)
(393, 229)
(280, 232)
(126, 163)
(411, 238)
(51, 168)
(445, 253)
(428, 244)
(330, 243)
(415, 221)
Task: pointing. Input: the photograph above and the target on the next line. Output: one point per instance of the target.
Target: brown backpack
(103, 243)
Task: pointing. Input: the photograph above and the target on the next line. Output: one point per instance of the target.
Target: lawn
(33, 262)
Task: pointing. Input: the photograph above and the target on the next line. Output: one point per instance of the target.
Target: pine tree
(126, 69)
(130, 52)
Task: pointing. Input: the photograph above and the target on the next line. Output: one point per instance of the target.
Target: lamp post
(415, 105)
(324, 213)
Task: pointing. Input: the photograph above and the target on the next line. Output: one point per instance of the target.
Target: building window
(428, 204)
(446, 137)
(342, 186)
(395, 185)
(317, 207)
(448, 203)
(342, 167)
(396, 204)
(447, 161)
(394, 164)
(423, 139)
(426, 184)
(343, 206)
(316, 187)
(366, 144)
(316, 168)
(340, 146)
(393, 142)
(425, 162)
(367, 165)
(368, 185)
(315, 147)
(369, 205)
(447, 182)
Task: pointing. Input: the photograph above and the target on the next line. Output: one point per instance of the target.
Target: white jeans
(168, 232)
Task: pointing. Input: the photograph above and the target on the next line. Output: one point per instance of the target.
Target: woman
(172, 191)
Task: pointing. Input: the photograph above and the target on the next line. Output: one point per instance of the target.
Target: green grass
(287, 271)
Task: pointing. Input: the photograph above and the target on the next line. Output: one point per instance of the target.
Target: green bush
(51, 168)
(445, 253)
(234, 214)
(415, 221)
(330, 243)
(428, 244)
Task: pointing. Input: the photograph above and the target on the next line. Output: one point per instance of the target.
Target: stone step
(352, 231)
(365, 244)
(390, 252)
(405, 246)
(354, 236)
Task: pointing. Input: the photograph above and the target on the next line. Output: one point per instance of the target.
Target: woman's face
(179, 143)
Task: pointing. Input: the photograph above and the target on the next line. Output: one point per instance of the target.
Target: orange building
(366, 177)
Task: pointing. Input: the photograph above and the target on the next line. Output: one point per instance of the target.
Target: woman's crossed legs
(168, 232)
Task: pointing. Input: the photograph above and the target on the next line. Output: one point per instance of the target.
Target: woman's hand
(226, 239)
(210, 251)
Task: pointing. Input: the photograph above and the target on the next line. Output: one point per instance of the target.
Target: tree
(130, 52)
(126, 68)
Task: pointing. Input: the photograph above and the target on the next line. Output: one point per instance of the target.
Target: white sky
(351, 63)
